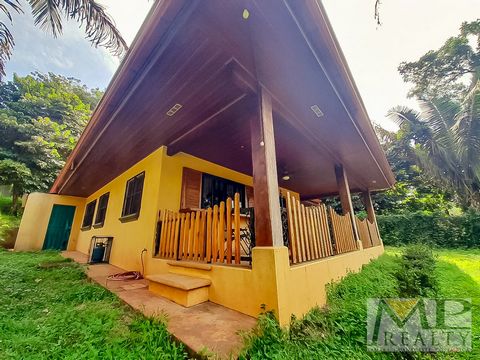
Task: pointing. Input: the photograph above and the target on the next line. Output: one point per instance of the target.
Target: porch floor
(200, 327)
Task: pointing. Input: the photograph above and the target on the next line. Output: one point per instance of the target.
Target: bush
(416, 274)
(436, 229)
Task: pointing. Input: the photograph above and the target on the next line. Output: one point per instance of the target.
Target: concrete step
(182, 289)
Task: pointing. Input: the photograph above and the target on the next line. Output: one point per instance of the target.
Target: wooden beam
(268, 224)
(345, 197)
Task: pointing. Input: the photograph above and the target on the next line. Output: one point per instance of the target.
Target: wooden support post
(345, 197)
(367, 202)
(268, 223)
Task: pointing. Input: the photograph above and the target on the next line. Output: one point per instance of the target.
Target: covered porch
(262, 89)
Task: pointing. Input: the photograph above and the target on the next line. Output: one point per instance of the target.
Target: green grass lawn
(54, 312)
(339, 330)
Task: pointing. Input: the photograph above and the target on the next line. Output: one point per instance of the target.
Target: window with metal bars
(133, 198)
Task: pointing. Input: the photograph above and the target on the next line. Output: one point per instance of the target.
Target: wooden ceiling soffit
(245, 79)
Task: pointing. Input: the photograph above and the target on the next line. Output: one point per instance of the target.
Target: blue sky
(410, 28)
(70, 54)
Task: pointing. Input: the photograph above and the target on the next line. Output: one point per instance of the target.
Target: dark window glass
(102, 209)
(89, 212)
(216, 189)
(133, 196)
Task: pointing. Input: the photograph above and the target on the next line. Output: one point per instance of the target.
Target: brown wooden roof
(207, 57)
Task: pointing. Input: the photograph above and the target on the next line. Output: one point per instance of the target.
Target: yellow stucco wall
(36, 216)
(129, 238)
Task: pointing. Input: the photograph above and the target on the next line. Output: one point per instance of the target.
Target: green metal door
(59, 227)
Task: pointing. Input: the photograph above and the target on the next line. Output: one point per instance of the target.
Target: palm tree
(445, 139)
(99, 27)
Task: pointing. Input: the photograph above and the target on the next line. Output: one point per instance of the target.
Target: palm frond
(99, 27)
(436, 114)
(467, 132)
(7, 42)
(402, 115)
(47, 14)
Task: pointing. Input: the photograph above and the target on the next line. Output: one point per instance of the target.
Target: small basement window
(88, 217)
(101, 210)
(133, 198)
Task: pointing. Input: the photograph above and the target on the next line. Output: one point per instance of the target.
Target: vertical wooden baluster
(181, 237)
(175, 240)
(291, 229)
(318, 220)
(196, 234)
(308, 231)
(316, 239)
(221, 232)
(311, 210)
(296, 226)
(202, 235)
(168, 231)
(171, 243)
(327, 231)
(185, 236)
(305, 232)
(236, 213)
(162, 233)
(208, 256)
(191, 236)
(215, 234)
(300, 230)
(229, 230)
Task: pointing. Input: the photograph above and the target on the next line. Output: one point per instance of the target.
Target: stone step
(182, 289)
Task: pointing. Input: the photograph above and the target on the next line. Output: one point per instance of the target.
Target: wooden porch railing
(342, 232)
(309, 232)
(211, 235)
(363, 232)
(373, 231)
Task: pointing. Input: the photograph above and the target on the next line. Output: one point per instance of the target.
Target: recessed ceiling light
(174, 109)
(374, 181)
(316, 110)
(286, 177)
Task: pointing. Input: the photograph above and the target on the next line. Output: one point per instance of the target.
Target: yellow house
(224, 127)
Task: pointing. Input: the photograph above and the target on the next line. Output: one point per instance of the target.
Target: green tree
(414, 190)
(41, 118)
(449, 72)
(444, 139)
(100, 29)
(19, 176)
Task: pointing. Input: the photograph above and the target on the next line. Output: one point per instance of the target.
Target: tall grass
(338, 331)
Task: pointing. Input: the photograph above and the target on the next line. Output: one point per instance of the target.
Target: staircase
(186, 283)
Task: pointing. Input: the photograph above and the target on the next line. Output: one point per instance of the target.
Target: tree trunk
(15, 197)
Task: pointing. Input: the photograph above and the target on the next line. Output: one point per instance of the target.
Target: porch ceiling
(206, 57)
